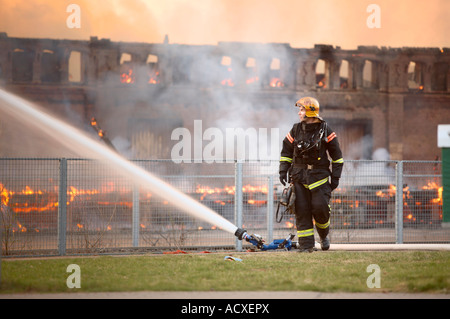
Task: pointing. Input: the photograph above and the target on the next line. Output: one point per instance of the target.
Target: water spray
(82, 144)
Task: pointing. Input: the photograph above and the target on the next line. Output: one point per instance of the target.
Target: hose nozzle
(240, 233)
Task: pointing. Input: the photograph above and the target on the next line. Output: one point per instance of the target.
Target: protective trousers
(309, 204)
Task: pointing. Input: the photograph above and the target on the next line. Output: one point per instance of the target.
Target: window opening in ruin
(415, 76)
(125, 58)
(227, 78)
(322, 74)
(50, 67)
(251, 71)
(369, 74)
(22, 65)
(251, 63)
(74, 74)
(275, 76)
(226, 60)
(126, 69)
(275, 64)
(344, 75)
(153, 71)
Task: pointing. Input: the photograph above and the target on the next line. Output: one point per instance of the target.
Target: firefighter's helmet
(311, 106)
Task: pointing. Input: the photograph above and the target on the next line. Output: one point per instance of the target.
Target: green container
(444, 143)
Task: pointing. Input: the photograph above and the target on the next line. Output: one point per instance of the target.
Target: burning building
(391, 98)
(133, 95)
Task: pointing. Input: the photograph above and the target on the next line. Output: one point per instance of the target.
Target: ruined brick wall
(390, 98)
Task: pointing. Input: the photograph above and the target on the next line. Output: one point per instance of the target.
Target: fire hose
(258, 241)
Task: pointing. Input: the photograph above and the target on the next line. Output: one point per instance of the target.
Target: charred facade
(391, 98)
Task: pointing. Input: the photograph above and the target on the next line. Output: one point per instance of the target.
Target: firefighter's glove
(334, 183)
(283, 178)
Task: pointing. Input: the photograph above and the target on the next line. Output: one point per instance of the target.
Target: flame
(254, 189)
(37, 201)
(230, 190)
(49, 206)
(228, 81)
(73, 192)
(289, 224)
(45, 201)
(4, 195)
(252, 80)
(21, 228)
(51, 198)
(206, 190)
(390, 192)
(203, 189)
(29, 191)
(434, 185)
(321, 84)
(127, 77)
(276, 83)
(23, 207)
(153, 77)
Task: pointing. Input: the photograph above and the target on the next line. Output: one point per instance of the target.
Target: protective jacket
(305, 155)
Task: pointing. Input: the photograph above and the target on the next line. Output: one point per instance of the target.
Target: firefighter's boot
(325, 243)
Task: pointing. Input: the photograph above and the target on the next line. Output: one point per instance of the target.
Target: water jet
(79, 142)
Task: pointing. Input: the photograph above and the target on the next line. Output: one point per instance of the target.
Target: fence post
(270, 209)
(238, 200)
(135, 221)
(399, 203)
(62, 207)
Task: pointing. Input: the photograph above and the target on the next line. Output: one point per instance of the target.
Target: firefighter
(305, 160)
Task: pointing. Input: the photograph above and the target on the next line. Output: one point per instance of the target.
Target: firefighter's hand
(283, 178)
(334, 183)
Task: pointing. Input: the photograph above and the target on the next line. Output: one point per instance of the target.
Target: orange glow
(289, 224)
(276, 83)
(227, 82)
(154, 77)
(230, 190)
(4, 195)
(252, 80)
(127, 77)
(433, 185)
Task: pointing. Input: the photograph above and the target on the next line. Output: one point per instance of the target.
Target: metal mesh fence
(29, 204)
(98, 209)
(73, 206)
(422, 203)
(161, 224)
(363, 206)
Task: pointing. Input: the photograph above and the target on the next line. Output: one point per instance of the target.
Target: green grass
(425, 271)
